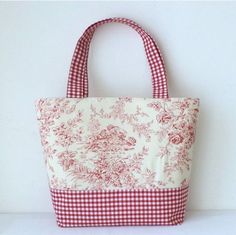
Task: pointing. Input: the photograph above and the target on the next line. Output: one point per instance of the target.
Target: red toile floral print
(118, 143)
(66, 159)
(175, 138)
(112, 139)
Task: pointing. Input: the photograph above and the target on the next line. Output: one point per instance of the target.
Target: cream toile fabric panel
(117, 143)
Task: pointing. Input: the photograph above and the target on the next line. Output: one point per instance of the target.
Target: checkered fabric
(78, 76)
(119, 207)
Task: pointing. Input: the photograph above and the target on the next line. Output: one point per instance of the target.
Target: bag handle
(77, 86)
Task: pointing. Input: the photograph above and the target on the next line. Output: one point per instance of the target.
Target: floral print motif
(66, 159)
(112, 171)
(175, 138)
(110, 140)
(117, 143)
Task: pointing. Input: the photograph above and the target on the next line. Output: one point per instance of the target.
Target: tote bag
(115, 161)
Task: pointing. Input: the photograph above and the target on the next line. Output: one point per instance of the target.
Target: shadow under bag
(114, 161)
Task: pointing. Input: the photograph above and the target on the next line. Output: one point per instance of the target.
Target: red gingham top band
(78, 76)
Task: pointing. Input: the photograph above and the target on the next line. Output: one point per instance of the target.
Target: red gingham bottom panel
(119, 207)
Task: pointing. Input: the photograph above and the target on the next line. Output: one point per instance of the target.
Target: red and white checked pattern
(78, 77)
(120, 207)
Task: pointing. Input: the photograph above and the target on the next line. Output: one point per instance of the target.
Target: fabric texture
(119, 207)
(117, 143)
(78, 76)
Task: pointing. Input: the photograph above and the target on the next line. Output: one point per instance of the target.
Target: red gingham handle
(78, 77)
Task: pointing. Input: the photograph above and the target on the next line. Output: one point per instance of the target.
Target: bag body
(115, 161)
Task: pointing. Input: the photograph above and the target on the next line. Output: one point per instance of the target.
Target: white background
(198, 41)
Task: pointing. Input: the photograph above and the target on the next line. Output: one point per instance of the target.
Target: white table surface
(197, 222)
